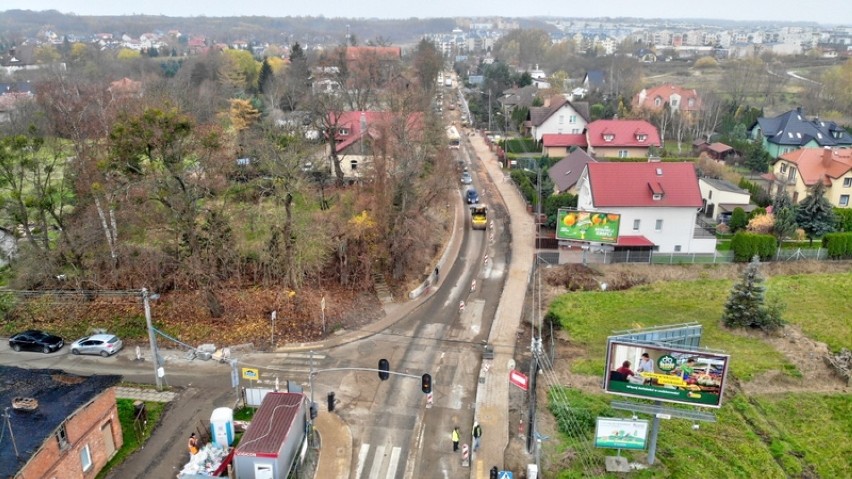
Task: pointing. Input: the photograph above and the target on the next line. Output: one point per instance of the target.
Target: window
(641, 137)
(677, 248)
(636, 225)
(658, 101)
(343, 131)
(561, 119)
(572, 119)
(622, 153)
(691, 102)
(847, 182)
(86, 458)
(62, 437)
(608, 137)
(675, 103)
(658, 226)
(783, 167)
(710, 195)
(844, 200)
(353, 164)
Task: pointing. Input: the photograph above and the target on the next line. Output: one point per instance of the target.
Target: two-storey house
(621, 138)
(557, 116)
(792, 130)
(799, 170)
(654, 99)
(658, 203)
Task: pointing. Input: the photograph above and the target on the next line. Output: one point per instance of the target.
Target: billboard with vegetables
(654, 372)
(592, 226)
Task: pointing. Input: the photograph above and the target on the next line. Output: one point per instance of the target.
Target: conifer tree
(746, 305)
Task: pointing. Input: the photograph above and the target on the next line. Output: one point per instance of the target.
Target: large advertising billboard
(592, 226)
(616, 433)
(674, 375)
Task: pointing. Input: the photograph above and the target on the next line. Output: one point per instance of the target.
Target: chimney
(826, 155)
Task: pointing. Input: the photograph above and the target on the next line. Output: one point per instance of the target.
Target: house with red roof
(799, 170)
(658, 203)
(654, 99)
(557, 116)
(556, 145)
(361, 135)
(621, 138)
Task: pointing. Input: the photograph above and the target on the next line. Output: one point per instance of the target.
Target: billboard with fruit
(592, 226)
(650, 371)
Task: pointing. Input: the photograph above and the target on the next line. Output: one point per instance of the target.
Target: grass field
(789, 434)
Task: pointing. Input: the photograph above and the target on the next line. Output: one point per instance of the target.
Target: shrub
(844, 219)
(747, 245)
(761, 224)
(739, 220)
(839, 245)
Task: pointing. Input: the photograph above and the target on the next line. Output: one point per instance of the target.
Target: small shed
(273, 441)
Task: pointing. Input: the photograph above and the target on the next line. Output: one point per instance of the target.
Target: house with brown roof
(621, 138)
(655, 99)
(658, 203)
(58, 424)
(125, 88)
(565, 172)
(799, 170)
(557, 116)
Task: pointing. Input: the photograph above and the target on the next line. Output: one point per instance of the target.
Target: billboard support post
(652, 441)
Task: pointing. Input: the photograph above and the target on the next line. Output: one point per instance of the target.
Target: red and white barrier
(461, 306)
(465, 455)
(429, 400)
(473, 286)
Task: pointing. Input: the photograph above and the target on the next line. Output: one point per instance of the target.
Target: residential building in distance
(555, 145)
(64, 425)
(658, 203)
(357, 132)
(799, 170)
(792, 130)
(654, 99)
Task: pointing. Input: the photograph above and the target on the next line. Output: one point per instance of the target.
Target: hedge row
(839, 245)
(844, 219)
(746, 245)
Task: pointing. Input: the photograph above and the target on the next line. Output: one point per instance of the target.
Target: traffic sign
(504, 475)
(519, 379)
(251, 374)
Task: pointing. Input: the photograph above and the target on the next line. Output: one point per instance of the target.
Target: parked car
(466, 178)
(34, 340)
(472, 197)
(102, 344)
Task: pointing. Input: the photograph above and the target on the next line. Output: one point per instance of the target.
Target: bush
(748, 245)
(839, 245)
(844, 219)
(738, 220)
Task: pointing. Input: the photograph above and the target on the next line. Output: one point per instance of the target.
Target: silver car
(101, 344)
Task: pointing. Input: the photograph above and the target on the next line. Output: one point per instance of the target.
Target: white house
(658, 203)
(558, 116)
(721, 197)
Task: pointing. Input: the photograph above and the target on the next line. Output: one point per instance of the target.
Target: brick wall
(83, 428)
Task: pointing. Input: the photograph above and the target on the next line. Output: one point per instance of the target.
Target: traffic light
(384, 367)
(426, 383)
(493, 473)
(313, 410)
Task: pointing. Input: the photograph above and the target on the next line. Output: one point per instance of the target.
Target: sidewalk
(492, 399)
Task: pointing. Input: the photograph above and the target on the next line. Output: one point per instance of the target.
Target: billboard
(593, 226)
(615, 433)
(654, 372)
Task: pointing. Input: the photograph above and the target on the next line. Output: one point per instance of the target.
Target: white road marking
(362, 456)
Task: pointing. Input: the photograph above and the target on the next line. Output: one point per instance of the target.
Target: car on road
(472, 197)
(34, 340)
(466, 179)
(101, 344)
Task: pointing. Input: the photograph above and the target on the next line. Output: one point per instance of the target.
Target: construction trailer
(275, 439)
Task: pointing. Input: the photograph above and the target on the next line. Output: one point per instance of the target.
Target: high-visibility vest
(455, 436)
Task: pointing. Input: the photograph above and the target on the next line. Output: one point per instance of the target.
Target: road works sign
(519, 379)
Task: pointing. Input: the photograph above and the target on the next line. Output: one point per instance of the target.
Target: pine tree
(746, 305)
(265, 75)
(815, 214)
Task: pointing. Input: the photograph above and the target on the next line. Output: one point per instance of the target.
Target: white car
(466, 178)
(100, 344)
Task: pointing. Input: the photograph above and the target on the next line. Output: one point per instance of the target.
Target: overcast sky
(773, 10)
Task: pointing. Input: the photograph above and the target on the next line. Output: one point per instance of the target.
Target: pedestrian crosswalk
(383, 462)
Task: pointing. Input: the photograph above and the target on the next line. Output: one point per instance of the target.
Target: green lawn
(134, 434)
(767, 435)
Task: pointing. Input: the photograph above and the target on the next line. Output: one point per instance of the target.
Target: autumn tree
(427, 62)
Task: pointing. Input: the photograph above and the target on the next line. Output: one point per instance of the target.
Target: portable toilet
(222, 427)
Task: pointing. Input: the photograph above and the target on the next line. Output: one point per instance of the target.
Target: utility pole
(489, 109)
(155, 357)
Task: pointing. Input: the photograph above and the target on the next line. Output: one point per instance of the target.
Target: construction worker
(456, 439)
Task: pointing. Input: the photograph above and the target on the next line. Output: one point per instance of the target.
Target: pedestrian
(477, 433)
(436, 274)
(192, 444)
(455, 439)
